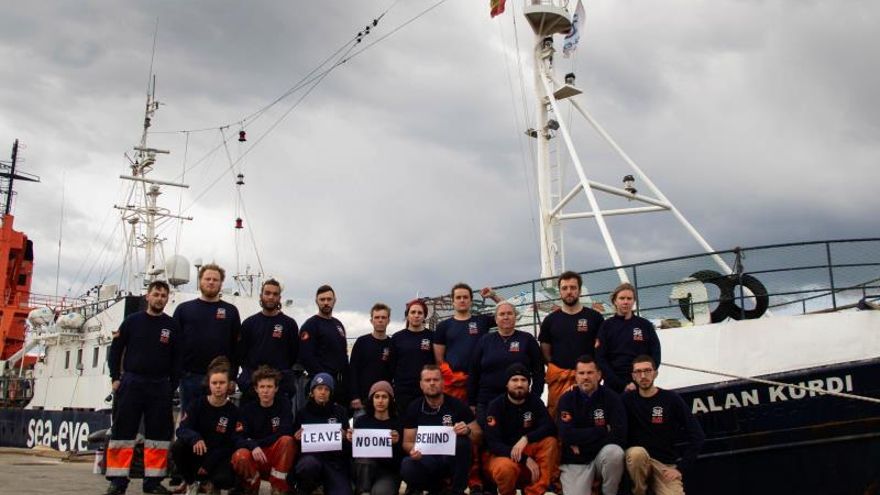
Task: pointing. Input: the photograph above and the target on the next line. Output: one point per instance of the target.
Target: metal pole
(11, 177)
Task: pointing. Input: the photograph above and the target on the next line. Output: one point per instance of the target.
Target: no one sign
(371, 443)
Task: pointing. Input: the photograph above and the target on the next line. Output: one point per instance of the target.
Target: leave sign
(435, 440)
(366, 442)
(321, 437)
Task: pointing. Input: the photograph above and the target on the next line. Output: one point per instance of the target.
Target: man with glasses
(656, 416)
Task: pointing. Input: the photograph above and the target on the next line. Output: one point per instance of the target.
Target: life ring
(759, 294)
(725, 299)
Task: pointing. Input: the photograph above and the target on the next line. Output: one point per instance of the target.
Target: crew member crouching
(267, 436)
(520, 436)
(331, 468)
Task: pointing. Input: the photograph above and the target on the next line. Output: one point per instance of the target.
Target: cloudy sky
(406, 168)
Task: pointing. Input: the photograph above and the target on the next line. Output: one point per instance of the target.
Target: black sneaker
(158, 489)
(114, 489)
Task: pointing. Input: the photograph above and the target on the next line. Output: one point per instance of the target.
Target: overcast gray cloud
(402, 172)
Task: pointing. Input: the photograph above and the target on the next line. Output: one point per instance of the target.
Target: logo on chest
(340, 330)
(276, 423)
(277, 331)
(528, 420)
(657, 415)
(599, 417)
(425, 345)
(637, 335)
(447, 420)
(165, 336)
(583, 326)
(332, 420)
(222, 424)
(386, 354)
(221, 314)
(472, 328)
(514, 346)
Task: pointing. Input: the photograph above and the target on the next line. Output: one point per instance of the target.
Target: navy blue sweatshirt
(450, 412)
(493, 355)
(507, 422)
(146, 345)
(219, 427)
(657, 423)
(322, 347)
(210, 329)
(367, 422)
(409, 352)
(330, 413)
(263, 426)
(590, 423)
(370, 362)
(619, 342)
(461, 337)
(268, 340)
(570, 336)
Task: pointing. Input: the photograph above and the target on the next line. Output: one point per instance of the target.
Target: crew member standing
(323, 347)
(411, 350)
(371, 357)
(520, 437)
(268, 338)
(211, 328)
(565, 334)
(456, 338)
(144, 368)
(623, 337)
(657, 418)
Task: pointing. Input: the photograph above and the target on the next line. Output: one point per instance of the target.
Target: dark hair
(219, 364)
(461, 285)
(215, 267)
(587, 359)
(271, 281)
(622, 287)
(644, 358)
(568, 275)
(266, 373)
(380, 307)
(428, 367)
(158, 284)
(392, 406)
(324, 288)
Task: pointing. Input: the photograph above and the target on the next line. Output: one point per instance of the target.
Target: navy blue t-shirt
(493, 355)
(269, 340)
(570, 336)
(590, 422)
(410, 351)
(461, 337)
(450, 412)
(263, 426)
(370, 362)
(147, 345)
(322, 346)
(619, 342)
(507, 422)
(219, 427)
(657, 423)
(210, 329)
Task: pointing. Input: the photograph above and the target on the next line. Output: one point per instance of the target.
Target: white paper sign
(435, 440)
(322, 437)
(371, 443)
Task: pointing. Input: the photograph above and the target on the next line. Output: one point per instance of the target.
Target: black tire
(725, 299)
(762, 299)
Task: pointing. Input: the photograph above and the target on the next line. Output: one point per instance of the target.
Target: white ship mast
(548, 18)
(141, 215)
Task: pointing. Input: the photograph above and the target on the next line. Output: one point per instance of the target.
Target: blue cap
(323, 379)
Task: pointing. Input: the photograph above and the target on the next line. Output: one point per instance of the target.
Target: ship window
(67, 360)
(95, 352)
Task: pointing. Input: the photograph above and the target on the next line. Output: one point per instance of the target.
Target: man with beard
(144, 368)
(592, 426)
(520, 437)
(657, 419)
(268, 338)
(211, 328)
(427, 472)
(371, 357)
(323, 347)
(565, 334)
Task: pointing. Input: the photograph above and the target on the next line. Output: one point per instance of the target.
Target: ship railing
(792, 278)
(88, 307)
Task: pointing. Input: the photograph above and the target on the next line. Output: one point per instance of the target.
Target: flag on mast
(496, 7)
(574, 35)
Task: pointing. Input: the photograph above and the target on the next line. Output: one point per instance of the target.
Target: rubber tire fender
(762, 299)
(725, 299)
